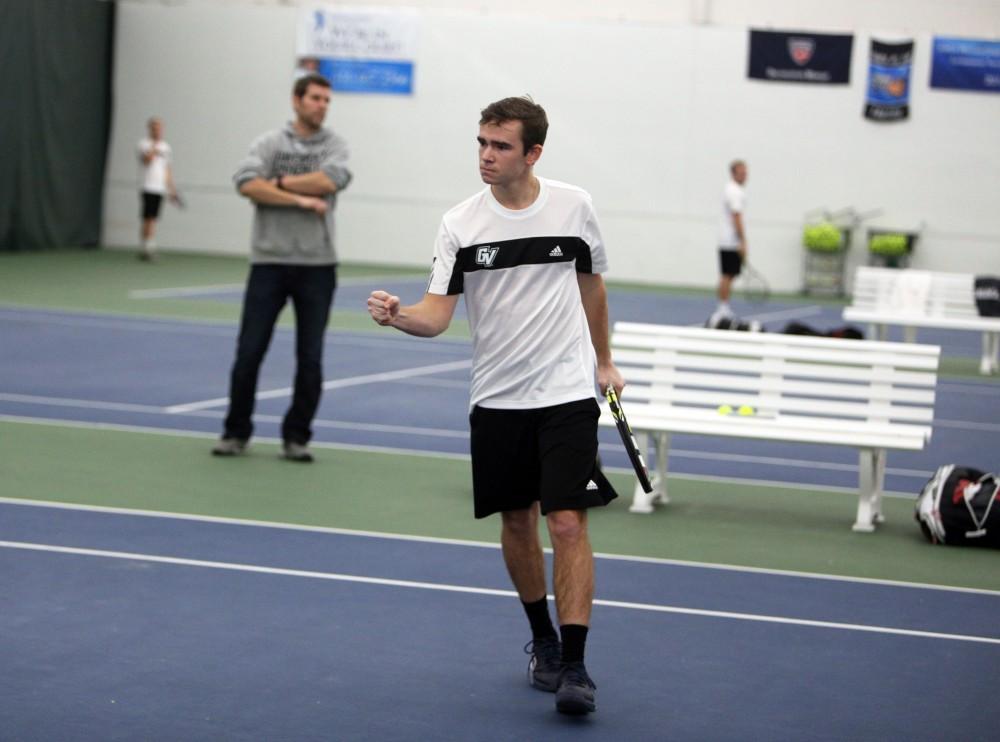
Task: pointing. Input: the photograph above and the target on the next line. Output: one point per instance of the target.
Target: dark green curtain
(55, 95)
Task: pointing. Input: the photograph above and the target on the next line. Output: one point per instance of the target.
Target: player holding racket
(732, 234)
(527, 253)
(156, 174)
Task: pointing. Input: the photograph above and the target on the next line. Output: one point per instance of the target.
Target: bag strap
(980, 522)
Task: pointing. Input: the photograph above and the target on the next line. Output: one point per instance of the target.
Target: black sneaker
(545, 663)
(575, 692)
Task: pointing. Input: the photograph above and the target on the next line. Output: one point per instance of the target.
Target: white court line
(218, 414)
(332, 384)
(278, 525)
(87, 404)
(443, 587)
(181, 291)
(206, 290)
(427, 432)
(375, 337)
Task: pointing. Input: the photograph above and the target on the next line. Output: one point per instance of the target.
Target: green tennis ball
(888, 244)
(746, 410)
(824, 237)
(725, 409)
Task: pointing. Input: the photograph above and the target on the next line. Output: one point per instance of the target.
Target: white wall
(645, 115)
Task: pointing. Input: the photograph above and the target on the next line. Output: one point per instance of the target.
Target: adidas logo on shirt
(591, 485)
(555, 252)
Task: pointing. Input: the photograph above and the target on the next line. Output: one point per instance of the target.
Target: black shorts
(730, 262)
(151, 204)
(547, 454)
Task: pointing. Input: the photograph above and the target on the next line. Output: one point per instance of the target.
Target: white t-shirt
(530, 338)
(734, 201)
(153, 177)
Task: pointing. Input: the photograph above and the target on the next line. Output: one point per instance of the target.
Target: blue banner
(966, 64)
(888, 97)
(368, 76)
(361, 50)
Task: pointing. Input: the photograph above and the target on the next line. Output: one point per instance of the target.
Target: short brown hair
(534, 122)
(303, 83)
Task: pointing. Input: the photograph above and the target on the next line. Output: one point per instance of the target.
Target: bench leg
(991, 349)
(659, 477)
(642, 502)
(871, 478)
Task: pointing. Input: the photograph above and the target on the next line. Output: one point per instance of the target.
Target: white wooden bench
(912, 299)
(864, 394)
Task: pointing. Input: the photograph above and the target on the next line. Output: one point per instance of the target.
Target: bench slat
(842, 409)
(750, 338)
(673, 414)
(749, 428)
(785, 386)
(749, 374)
(848, 356)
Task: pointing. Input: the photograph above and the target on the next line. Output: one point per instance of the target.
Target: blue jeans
(269, 286)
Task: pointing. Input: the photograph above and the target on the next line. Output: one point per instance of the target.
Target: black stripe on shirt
(522, 251)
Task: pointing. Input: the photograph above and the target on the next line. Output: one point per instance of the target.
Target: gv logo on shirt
(486, 255)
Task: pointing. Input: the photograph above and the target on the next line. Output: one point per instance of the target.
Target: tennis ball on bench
(746, 410)
(725, 409)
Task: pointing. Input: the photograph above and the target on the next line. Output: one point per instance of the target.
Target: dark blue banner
(889, 66)
(794, 56)
(966, 64)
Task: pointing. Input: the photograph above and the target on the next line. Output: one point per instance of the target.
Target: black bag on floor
(801, 328)
(958, 506)
(987, 295)
(719, 321)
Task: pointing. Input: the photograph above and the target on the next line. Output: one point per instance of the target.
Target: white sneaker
(229, 447)
(297, 452)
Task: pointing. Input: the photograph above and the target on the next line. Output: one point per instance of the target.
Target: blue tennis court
(160, 628)
(124, 623)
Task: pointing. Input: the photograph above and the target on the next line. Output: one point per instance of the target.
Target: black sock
(538, 615)
(574, 639)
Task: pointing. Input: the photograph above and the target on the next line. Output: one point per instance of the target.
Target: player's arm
(265, 192)
(252, 180)
(307, 184)
(594, 296)
(146, 154)
(740, 234)
(427, 318)
(332, 175)
(171, 188)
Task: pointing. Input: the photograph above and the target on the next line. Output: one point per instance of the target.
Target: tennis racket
(177, 200)
(631, 447)
(755, 287)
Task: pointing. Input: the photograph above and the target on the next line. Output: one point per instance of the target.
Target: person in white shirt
(527, 252)
(732, 234)
(157, 181)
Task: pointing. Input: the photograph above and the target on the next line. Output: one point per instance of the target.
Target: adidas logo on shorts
(591, 485)
(555, 252)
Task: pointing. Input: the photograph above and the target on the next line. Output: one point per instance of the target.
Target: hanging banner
(786, 56)
(361, 50)
(889, 68)
(966, 64)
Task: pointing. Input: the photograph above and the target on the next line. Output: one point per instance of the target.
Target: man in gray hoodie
(293, 176)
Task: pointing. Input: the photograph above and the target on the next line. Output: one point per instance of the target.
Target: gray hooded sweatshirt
(289, 235)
